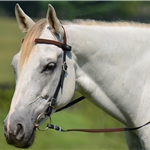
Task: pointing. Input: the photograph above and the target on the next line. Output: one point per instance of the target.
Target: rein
(52, 101)
(58, 128)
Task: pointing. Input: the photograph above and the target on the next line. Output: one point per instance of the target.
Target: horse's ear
(24, 21)
(52, 19)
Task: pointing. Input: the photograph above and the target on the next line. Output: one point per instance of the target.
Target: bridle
(53, 99)
(65, 48)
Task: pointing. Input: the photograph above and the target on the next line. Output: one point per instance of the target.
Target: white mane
(89, 22)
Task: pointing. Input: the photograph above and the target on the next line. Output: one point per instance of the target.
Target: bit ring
(42, 115)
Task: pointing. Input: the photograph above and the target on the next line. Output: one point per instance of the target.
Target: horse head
(37, 68)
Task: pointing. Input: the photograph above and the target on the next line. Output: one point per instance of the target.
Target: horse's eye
(49, 67)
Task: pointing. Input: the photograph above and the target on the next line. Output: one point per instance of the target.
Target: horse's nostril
(19, 132)
(19, 128)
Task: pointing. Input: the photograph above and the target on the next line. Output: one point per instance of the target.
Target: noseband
(52, 101)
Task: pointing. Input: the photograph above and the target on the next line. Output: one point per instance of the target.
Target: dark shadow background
(99, 10)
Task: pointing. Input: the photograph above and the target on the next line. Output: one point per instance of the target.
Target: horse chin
(22, 144)
(29, 142)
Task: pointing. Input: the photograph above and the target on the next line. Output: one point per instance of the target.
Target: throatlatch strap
(71, 103)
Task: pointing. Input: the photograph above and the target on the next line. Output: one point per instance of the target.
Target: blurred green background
(85, 114)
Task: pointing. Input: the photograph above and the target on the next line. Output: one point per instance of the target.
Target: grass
(10, 41)
(78, 116)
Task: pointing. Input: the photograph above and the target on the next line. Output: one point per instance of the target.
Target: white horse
(109, 64)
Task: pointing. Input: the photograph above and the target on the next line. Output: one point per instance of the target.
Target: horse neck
(108, 44)
(108, 57)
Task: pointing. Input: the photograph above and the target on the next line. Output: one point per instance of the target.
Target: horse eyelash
(45, 68)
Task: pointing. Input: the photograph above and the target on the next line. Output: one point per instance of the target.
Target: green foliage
(101, 10)
(68, 10)
(5, 97)
(10, 41)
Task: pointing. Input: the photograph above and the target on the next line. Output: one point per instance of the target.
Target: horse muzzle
(19, 131)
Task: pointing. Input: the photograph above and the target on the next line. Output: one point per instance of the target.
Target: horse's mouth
(21, 144)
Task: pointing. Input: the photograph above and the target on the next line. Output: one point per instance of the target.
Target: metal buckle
(65, 67)
(50, 107)
(42, 115)
(66, 47)
(52, 102)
